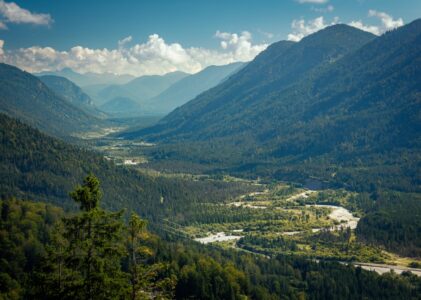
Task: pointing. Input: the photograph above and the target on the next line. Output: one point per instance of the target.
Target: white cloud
(301, 28)
(154, 56)
(13, 13)
(239, 46)
(387, 23)
(3, 25)
(370, 28)
(313, 1)
(124, 41)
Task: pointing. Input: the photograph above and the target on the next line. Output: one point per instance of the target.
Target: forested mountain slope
(338, 105)
(37, 167)
(26, 97)
(72, 93)
(240, 99)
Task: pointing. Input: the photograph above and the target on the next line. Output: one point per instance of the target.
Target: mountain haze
(139, 89)
(189, 87)
(122, 106)
(88, 78)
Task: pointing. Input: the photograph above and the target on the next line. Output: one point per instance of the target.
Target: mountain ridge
(26, 97)
(88, 78)
(354, 109)
(139, 89)
(72, 93)
(271, 67)
(189, 87)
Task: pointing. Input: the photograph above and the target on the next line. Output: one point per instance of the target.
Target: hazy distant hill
(72, 93)
(121, 107)
(89, 78)
(189, 87)
(340, 105)
(139, 89)
(26, 97)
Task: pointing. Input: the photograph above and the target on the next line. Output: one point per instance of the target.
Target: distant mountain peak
(337, 34)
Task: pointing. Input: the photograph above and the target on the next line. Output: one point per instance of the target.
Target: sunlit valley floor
(276, 218)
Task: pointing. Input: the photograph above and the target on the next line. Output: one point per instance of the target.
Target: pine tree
(86, 261)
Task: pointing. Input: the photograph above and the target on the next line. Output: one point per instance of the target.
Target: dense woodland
(35, 166)
(94, 254)
(185, 268)
(394, 221)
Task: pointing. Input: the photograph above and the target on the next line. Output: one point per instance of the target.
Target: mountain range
(189, 87)
(139, 89)
(158, 95)
(337, 101)
(88, 78)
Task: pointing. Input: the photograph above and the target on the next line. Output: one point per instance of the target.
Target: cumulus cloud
(155, 56)
(370, 28)
(10, 12)
(387, 23)
(239, 46)
(313, 1)
(124, 41)
(301, 28)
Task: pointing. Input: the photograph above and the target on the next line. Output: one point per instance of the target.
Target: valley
(279, 218)
(268, 166)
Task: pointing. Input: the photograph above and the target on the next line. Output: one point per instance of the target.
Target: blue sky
(62, 25)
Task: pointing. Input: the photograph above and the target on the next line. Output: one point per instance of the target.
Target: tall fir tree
(85, 257)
